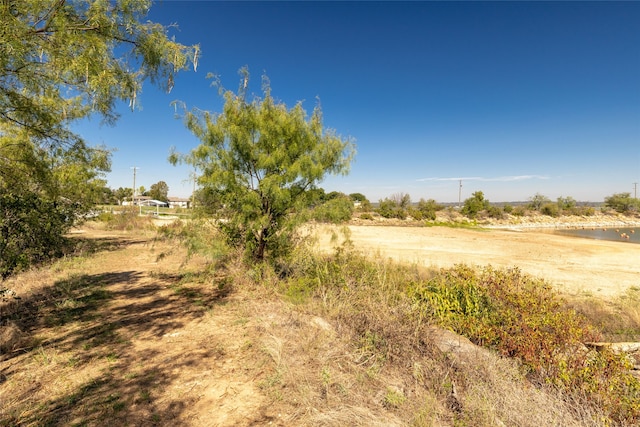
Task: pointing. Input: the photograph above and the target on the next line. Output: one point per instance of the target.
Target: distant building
(179, 202)
(137, 201)
(145, 201)
(152, 202)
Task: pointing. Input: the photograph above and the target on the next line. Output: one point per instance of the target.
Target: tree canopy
(159, 191)
(475, 204)
(622, 202)
(262, 158)
(62, 61)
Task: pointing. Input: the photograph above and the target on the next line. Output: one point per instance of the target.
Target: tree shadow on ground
(78, 245)
(111, 326)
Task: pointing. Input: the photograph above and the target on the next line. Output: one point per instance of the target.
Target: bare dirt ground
(133, 335)
(574, 265)
(114, 339)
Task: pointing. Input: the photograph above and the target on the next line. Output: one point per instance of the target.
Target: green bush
(426, 209)
(389, 208)
(622, 202)
(519, 211)
(520, 316)
(550, 209)
(474, 205)
(336, 210)
(495, 212)
(31, 230)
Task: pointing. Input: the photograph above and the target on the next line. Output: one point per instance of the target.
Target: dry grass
(617, 318)
(134, 332)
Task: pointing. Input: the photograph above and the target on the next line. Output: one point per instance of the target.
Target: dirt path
(132, 335)
(117, 340)
(574, 265)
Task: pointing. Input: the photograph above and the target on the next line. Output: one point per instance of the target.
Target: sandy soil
(574, 265)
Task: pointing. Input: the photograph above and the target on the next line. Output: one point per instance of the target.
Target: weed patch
(521, 317)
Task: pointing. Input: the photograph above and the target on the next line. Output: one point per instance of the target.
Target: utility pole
(133, 198)
(193, 193)
(460, 194)
(635, 190)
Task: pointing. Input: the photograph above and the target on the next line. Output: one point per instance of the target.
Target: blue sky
(514, 98)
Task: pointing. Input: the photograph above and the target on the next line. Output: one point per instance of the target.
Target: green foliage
(396, 206)
(426, 209)
(521, 316)
(262, 158)
(63, 60)
(123, 194)
(60, 62)
(519, 211)
(622, 202)
(566, 203)
(474, 205)
(336, 210)
(199, 236)
(208, 201)
(388, 208)
(495, 212)
(358, 197)
(537, 201)
(159, 191)
(31, 230)
(550, 209)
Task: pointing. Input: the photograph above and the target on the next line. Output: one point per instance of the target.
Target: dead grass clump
(11, 337)
(127, 219)
(618, 319)
(496, 393)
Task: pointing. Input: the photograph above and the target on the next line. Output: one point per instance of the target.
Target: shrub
(426, 209)
(537, 201)
(550, 209)
(519, 211)
(622, 202)
(521, 316)
(389, 208)
(474, 205)
(336, 210)
(495, 212)
(31, 230)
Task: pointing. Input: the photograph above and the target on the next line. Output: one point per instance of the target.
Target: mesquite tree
(62, 61)
(261, 159)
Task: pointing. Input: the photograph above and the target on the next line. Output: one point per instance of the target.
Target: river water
(617, 234)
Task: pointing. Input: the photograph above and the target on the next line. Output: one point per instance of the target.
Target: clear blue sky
(514, 98)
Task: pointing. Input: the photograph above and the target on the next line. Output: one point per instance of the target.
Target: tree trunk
(262, 245)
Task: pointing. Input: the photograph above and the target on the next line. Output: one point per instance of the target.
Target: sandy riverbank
(575, 266)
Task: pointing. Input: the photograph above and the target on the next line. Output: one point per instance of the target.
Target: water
(617, 234)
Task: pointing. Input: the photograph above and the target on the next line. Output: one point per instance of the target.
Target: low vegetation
(379, 357)
(388, 308)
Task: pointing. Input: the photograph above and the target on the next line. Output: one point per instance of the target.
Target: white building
(179, 202)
